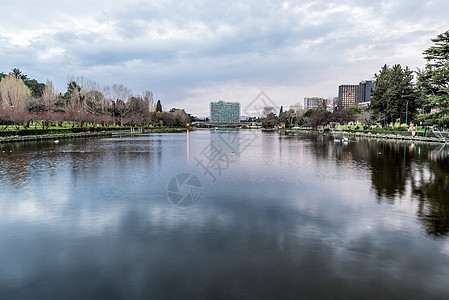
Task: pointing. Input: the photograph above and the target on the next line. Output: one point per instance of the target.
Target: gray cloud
(178, 48)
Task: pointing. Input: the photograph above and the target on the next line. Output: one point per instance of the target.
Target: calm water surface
(278, 217)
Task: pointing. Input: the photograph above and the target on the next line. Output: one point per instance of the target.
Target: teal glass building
(224, 111)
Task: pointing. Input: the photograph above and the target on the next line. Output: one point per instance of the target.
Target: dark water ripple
(285, 218)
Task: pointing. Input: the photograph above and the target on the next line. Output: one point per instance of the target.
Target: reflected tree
(431, 186)
(396, 166)
(390, 169)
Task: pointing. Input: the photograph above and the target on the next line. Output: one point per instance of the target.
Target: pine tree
(158, 106)
(433, 81)
(282, 116)
(395, 96)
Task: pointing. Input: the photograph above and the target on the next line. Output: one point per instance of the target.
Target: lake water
(224, 215)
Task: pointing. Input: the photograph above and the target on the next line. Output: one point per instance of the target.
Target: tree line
(422, 96)
(313, 117)
(24, 100)
(400, 95)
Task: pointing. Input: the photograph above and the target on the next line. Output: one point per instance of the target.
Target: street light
(406, 111)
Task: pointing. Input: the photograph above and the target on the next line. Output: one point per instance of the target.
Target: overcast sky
(192, 52)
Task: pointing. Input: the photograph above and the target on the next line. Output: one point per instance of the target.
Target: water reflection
(400, 168)
(430, 185)
(397, 170)
(402, 171)
(291, 217)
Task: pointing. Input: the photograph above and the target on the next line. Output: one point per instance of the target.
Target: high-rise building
(314, 102)
(352, 95)
(367, 87)
(348, 95)
(224, 111)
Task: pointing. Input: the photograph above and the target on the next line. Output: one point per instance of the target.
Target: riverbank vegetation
(401, 96)
(26, 103)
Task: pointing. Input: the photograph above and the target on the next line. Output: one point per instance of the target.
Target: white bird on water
(57, 141)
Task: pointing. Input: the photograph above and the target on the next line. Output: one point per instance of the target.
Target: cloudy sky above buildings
(192, 52)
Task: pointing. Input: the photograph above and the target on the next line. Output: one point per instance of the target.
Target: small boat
(267, 129)
(343, 140)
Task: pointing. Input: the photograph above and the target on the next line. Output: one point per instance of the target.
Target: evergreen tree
(433, 81)
(394, 96)
(18, 74)
(158, 106)
(282, 116)
(36, 88)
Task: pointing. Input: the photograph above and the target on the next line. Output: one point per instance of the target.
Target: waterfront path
(385, 136)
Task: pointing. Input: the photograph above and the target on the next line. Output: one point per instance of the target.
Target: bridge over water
(227, 124)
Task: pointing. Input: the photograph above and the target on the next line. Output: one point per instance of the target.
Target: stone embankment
(398, 137)
(57, 137)
(27, 138)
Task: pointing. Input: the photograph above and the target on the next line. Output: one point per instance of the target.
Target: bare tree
(107, 93)
(85, 83)
(137, 111)
(49, 96)
(14, 93)
(181, 118)
(368, 117)
(14, 117)
(319, 117)
(299, 113)
(291, 117)
(81, 117)
(95, 103)
(77, 95)
(267, 110)
(169, 119)
(119, 92)
(118, 110)
(79, 87)
(59, 118)
(149, 100)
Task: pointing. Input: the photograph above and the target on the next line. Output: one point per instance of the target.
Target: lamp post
(406, 111)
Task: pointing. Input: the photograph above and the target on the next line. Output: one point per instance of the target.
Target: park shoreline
(86, 134)
(379, 135)
(339, 134)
